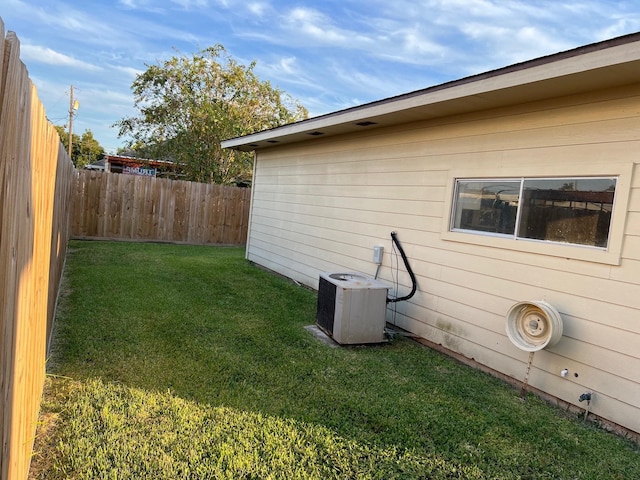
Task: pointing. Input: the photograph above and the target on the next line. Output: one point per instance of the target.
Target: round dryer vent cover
(534, 325)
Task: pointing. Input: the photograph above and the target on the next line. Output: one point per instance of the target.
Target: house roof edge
(597, 55)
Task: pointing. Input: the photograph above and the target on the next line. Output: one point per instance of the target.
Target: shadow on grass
(136, 434)
(202, 324)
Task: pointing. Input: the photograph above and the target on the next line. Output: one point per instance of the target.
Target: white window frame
(610, 255)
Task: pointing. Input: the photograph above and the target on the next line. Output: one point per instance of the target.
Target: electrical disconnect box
(378, 252)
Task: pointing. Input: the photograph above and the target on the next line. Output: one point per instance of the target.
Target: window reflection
(568, 210)
(487, 206)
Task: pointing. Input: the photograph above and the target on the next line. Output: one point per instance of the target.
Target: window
(574, 210)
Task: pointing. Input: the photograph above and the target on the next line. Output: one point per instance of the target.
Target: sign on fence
(148, 172)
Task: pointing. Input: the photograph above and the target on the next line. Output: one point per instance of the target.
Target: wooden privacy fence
(35, 186)
(131, 207)
(42, 200)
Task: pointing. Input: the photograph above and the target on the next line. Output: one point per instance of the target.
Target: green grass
(189, 362)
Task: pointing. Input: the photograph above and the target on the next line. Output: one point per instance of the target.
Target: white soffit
(603, 65)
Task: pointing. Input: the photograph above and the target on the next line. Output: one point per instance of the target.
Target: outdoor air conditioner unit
(352, 308)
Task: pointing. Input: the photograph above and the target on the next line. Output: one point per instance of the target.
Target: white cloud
(131, 72)
(415, 43)
(283, 70)
(370, 84)
(144, 5)
(46, 55)
(620, 26)
(190, 4)
(507, 44)
(312, 25)
(258, 8)
(106, 100)
(478, 8)
(287, 65)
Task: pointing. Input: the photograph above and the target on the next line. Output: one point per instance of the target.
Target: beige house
(516, 185)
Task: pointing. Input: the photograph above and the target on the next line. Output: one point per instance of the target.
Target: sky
(327, 54)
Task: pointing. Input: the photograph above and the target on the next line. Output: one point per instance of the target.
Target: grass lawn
(174, 362)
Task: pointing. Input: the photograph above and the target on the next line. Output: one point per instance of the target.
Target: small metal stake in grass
(523, 390)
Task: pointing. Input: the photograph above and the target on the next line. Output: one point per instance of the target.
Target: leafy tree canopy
(84, 149)
(190, 103)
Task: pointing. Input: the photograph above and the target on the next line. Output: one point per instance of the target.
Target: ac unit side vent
(326, 305)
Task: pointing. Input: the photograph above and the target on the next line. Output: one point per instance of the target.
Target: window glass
(564, 210)
(568, 210)
(486, 205)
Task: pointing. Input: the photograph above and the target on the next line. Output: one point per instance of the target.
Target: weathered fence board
(35, 179)
(130, 207)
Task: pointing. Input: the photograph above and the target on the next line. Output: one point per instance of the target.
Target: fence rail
(130, 207)
(35, 187)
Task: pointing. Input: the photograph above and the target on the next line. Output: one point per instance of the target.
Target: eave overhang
(593, 67)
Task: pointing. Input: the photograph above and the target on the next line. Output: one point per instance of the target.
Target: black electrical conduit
(394, 239)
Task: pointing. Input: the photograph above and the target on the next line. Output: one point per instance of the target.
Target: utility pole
(73, 106)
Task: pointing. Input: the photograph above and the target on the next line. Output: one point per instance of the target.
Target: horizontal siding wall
(324, 205)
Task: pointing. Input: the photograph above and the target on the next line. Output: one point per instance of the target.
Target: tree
(189, 104)
(85, 148)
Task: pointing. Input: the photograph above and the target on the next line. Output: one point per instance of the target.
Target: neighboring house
(519, 184)
(134, 166)
(100, 165)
